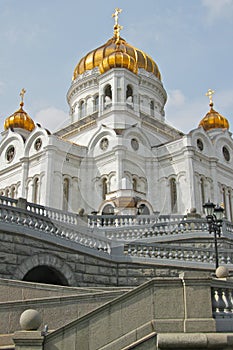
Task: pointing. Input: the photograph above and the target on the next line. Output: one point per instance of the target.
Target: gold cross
(22, 93)
(210, 95)
(115, 14)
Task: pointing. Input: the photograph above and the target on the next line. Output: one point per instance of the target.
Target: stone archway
(55, 270)
(45, 274)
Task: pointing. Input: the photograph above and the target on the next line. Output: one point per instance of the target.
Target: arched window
(96, 103)
(173, 191)
(152, 108)
(35, 198)
(134, 184)
(104, 188)
(129, 95)
(82, 109)
(13, 192)
(7, 192)
(108, 96)
(108, 210)
(65, 194)
(89, 106)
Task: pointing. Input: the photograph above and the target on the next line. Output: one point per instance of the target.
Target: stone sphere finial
(222, 272)
(30, 320)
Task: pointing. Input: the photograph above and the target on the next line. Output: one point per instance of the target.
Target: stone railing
(141, 237)
(29, 219)
(160, 229)
(110, 221)
(227, 227)
(177, 253)
(222, 304)
(8, 201)
(53, 214)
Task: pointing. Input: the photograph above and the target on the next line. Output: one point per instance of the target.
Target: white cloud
(176, 98)
(52, 118)
(185, 115)
(218, 8)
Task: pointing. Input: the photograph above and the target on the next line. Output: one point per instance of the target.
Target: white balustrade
(104, 229)
(30, 219)
(161, 251)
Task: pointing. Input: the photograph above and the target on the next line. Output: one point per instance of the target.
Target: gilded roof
(20, 119)
(214, 120)
(109, 55)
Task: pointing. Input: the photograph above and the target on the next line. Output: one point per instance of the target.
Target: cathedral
(103, 238)
(118, 155)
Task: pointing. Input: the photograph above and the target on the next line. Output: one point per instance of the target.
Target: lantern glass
(218, 211)
(209, 208)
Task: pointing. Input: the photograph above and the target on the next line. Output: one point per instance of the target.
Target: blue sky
(42, 41)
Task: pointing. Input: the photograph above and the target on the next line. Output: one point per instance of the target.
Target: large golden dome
(20, 119)
(116, 52)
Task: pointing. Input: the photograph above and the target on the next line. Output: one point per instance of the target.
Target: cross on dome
(117, 27)
(22, 93)
(210, 95)
(115, 14)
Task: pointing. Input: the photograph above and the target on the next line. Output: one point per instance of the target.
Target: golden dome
(214, 120)
(20, 119)
(118, 59)
(116, 52)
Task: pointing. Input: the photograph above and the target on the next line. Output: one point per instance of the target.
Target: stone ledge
(194, 341)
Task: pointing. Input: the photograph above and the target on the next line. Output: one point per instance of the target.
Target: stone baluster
(219, 304)
(222, 258)
(227, 300)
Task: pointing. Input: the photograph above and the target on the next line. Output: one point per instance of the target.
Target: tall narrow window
(96, 103)
(202, 192)
(230, 205)
(224, 201)
(108, 96)
(36, 190)
(173, 191)
(81, 109)
(65, 194)
(152, 108)
(134, 184)
(129, 95)
(13, 192)
(104, 188)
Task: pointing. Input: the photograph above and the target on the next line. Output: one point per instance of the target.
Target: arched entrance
(45, 274)
(45, 268)
(108, 210)
(143, 210)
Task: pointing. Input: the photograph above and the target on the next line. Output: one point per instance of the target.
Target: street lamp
(214, 215)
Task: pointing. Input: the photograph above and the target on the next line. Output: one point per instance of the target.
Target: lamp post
(214, 215)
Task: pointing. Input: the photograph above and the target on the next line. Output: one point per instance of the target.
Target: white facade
(118, 154)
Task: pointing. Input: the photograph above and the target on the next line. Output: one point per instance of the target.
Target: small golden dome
(118, 53)
(20, 119)
(118, 59)
(214, 120)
